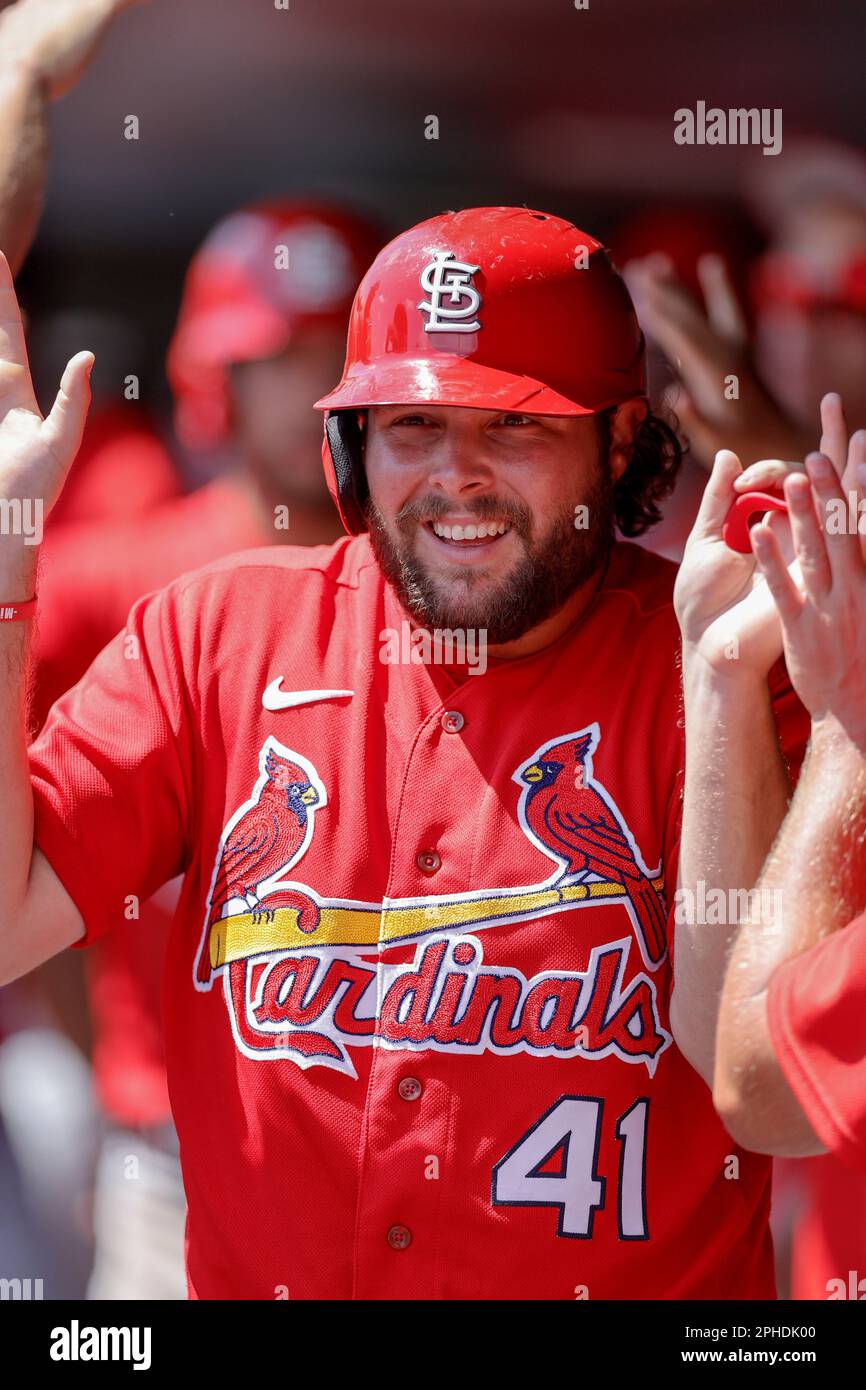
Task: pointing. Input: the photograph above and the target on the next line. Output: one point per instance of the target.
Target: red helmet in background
(263, 275)
(496, 308)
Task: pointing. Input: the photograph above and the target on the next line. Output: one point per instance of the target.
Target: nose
(459, 469)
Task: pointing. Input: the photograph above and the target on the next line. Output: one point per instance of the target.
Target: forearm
(23, 158)
(17, 584)
(814, 881)
(813, 884)
(736, 796)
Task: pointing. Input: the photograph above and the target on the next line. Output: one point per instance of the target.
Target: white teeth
(470, 532)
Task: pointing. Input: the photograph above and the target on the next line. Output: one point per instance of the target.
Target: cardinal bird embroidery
(268, 836)
(574, 820)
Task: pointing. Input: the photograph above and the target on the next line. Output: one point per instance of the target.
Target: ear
(625, 423)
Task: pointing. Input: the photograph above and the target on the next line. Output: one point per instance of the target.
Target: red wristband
(17, 612)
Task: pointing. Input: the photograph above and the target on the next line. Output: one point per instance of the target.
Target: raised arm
(39, 917)
(814, 881)
(736, 789)
(736, 786)
(706, 347)
(45, 47)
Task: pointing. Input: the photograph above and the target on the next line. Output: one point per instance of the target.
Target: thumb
(64, 425)
(718, 494)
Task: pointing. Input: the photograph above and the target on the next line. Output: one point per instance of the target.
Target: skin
(45, 47)
(815, 869)
(36, 454)
(737, 789)
(799, 353)
(707, 343)
(276, 432)
(736, 785)
(459, 465)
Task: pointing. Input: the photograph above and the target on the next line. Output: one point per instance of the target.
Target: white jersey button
(452, 721)
(409, 1088)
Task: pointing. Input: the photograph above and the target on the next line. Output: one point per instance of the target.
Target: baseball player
(418, 985)
(791, 1063)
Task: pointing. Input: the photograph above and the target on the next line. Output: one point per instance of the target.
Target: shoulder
(282, 579)
(341, 564)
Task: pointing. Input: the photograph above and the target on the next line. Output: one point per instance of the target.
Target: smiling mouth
(471, 533)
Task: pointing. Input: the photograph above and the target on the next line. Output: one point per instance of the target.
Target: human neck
(309, 523)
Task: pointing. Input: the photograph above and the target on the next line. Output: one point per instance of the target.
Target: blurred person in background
(757, 389)
(809, 289)
(260, 336)
(684, 238)
(127, 466)
(261, 324)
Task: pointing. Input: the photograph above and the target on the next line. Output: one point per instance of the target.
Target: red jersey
(417, 986)
(89, 578)
(816, 1009)
(828, 1242)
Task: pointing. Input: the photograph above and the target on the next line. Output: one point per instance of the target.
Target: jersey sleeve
(111, 771)
(816, 1008)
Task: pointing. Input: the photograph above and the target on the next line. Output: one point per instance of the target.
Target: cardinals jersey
(816, 1006)
(417, 985)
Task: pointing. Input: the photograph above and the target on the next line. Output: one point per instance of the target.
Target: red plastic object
(735, 532)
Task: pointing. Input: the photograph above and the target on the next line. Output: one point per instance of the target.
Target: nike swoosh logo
(275, 698)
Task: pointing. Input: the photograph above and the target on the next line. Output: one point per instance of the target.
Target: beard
(545, 576)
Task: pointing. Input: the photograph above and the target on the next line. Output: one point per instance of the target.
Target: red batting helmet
(263, 275)
(497, 308)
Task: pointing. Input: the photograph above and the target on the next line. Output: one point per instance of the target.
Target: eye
(514, 420)
(410, 420)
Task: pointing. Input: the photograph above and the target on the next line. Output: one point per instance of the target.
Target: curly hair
(656, 459)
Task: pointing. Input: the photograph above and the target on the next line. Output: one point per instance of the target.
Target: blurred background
(738, 261)
(538, 103)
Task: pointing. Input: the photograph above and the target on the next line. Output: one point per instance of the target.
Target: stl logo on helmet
(447, 279)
